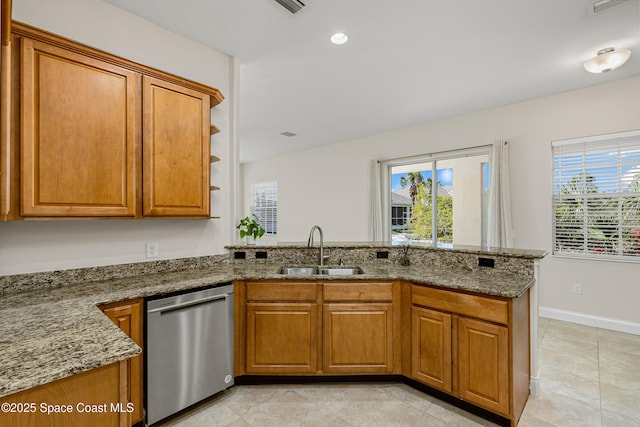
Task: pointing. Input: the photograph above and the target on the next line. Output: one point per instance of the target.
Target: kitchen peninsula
(52, 328)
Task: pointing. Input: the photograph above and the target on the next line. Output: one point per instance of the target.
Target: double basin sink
(325, 271)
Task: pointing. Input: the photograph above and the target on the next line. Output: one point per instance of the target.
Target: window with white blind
(596, 197)
(265, 205)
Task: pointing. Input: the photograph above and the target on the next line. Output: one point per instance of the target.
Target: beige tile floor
(590, 377)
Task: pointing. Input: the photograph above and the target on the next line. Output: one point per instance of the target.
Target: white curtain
(499, 230)
(375, 216)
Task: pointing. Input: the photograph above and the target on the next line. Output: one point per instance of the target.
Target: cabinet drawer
(493, 310)
(279, 291)
(357, 292)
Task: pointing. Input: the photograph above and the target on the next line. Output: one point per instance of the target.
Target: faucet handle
(327, 254)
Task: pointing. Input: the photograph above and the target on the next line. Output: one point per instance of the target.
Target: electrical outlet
(577, 289)
(152, 249)
(486, 262)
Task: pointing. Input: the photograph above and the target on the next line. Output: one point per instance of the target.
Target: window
(265, 205)
(400, 217)
(596, 196)
(447, 210)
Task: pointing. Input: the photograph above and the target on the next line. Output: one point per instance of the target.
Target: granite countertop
(49, 334)
(506, 285)
(479, 250)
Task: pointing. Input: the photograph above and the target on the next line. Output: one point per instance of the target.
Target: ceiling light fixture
(292, 6)
(339, 38)
(599, 5)
(607, 59)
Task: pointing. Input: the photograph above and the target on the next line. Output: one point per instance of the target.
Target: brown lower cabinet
(357, 338)
(358, 328)
(282, 338)
(127, 315)
(473, 347)
(286, 327)
(94, 398)
(482, 357)
(431, 348)
(483, 364)
(282, 327)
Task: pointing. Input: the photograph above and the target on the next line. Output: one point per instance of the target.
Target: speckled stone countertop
(49, 334)
(55, 331)
(478, 250)
(498, 284)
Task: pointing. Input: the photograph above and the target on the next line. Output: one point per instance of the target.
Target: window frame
(385, 181)
(584, 146)
(270, 226)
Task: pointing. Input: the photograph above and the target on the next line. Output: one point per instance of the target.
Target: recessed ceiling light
(289, 134)
(607, 59)
(339, 38)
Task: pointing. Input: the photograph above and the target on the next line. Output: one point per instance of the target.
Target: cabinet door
(431, 348)
(128, 317)
(282, 338)
(358, 338)
(79, 134)
(483, 370)
(176, 147)
(100, 389)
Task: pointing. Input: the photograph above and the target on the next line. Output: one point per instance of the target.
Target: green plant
(420, 223)
(249, 226)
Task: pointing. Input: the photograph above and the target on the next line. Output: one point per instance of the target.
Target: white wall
(329, 186)
(28, 246)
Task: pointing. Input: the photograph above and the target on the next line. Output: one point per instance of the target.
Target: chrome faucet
(321, 256)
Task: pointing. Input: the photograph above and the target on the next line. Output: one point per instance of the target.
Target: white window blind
(596, 197)
(265, 205)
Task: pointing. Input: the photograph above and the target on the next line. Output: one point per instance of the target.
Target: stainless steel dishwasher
(189, 347)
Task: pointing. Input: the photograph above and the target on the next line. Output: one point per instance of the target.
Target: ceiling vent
(600, 5)
(293, 6)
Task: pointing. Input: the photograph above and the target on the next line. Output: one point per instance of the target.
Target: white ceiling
(407, 62)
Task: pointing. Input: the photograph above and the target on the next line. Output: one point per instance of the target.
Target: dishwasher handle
(186, 304)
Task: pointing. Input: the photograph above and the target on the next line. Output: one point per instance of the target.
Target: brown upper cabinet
(175, 150)
(101, 136)
(78, 134)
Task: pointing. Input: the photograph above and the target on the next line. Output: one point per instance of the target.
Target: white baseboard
(534, 387)
(590, 320)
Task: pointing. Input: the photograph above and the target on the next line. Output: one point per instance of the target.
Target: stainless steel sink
(298, 271)
(341, 271)
(327, 271)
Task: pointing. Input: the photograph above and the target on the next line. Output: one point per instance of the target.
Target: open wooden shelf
(215, 159)
(214, 188)
(214, 130)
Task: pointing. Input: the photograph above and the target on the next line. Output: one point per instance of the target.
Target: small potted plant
(250, 228)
